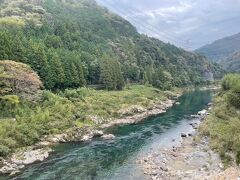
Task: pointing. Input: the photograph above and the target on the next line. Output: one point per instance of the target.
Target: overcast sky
(185, 23)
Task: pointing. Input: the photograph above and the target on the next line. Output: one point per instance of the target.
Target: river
(116, 159)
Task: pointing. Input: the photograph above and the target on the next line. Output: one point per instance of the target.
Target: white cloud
(180, 21)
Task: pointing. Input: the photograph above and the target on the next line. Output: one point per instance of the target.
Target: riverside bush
(222, 126)
(55, 113)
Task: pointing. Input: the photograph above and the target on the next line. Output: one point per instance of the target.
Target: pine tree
(18, 49)
(81, 79)
(119, 76)
(74, 75)
(57, 72)
(106, 77)
(38, 61)
(145, 78)
(5, 45)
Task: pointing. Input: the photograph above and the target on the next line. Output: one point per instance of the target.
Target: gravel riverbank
(192, 160)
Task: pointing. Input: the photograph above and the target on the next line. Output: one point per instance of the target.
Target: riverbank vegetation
(65, 46)
(222, 126)
(27, 122)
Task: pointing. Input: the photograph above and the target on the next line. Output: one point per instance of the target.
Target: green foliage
(57, 113)
(221, 49)
(110, 74)
(231, 84)
(232, 63)
(4, 150)
(67, 49)
(223, 124)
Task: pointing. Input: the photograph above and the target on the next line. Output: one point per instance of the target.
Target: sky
(189, 24)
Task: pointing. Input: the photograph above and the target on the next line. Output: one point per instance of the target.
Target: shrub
(234, 99)
(4, 150)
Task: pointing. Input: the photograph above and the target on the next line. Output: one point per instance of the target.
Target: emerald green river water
(116, 159)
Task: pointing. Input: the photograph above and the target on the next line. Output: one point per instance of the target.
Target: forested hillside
(76, 42)
(222, 48)
(232, 63)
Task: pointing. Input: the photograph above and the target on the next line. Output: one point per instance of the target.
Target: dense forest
(76, 43)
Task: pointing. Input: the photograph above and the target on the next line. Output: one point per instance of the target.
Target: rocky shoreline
(193, 159)
(39, 152)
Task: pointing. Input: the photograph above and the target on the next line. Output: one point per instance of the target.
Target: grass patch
(222, 126)
(58, 112)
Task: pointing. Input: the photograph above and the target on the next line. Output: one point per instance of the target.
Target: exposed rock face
(19, 160)
(75, 134)
(30, 156)
(137, 113)
(208, 76)
(22, 80)
(41, 150)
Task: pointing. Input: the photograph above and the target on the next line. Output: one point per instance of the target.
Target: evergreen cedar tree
(85, 44)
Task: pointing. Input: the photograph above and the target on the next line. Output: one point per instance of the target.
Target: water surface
(116, 159)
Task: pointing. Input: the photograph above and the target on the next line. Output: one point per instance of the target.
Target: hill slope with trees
(232, 63)
(76, 42)
(222, 48)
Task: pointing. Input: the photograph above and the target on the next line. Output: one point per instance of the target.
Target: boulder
(210, 104)
(43, 143)
(203, 112)
(183, 135)
(98, 133)
(87, 137)
(15, 173)
(108, 136)
(31, 156)
(194, 116)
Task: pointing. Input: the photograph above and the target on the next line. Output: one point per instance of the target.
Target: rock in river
(108, 136)
(183, 135)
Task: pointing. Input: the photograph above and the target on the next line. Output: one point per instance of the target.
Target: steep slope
(69, 43)
(221, 49)
(232, 63)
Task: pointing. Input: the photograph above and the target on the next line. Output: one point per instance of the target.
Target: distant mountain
(71, 43)
(221, 49)
(232, 63)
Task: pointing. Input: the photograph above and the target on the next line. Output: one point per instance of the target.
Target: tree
(53, 41)
(18, 49)
(38, 61)
(5, 87)
(148, 75)
(110, 74)
(74, 75)
(81, 79)
(162, 79)
(57, 72)
(118, 75)
(5, 45)
(106, 77)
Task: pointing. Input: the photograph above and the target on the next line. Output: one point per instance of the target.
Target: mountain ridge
(77, 35)
(222, 48)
